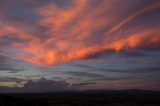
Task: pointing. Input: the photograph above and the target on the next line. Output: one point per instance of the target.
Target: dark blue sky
(47, 45)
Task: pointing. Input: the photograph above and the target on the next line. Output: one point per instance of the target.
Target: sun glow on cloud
(85, 28)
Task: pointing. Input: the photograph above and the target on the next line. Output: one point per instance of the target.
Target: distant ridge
(128, 91)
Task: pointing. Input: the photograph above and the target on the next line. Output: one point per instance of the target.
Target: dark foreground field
(89, 98)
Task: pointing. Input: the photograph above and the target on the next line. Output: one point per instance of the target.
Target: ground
(82, 99)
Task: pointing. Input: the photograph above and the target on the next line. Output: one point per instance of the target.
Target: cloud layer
(58, 32)
(43, 85)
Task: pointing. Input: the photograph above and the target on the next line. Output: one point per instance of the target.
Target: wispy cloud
(81, 29)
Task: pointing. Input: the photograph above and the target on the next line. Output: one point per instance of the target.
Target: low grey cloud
(10, 79)
(84, 83)
(83, 66)
(92, 77)
(134, 70)
(146, 69)
(85, 74)
(44, 85)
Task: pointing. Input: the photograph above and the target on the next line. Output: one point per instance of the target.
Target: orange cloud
(81, 30)
(146, 9)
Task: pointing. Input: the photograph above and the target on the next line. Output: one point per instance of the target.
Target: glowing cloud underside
(82, 29)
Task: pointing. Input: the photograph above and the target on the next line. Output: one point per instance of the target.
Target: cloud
(5, 66)
(135, 70)
(146, 70)
(84, 84)
(44, 85)
(133, 53)
(84, 74)
(58, 32)
(85, 66)
(132, 84)
(10, 79)
(94, 77)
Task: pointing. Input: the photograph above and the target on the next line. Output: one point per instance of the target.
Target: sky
(51, 45)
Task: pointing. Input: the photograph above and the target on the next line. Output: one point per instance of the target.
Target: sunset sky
(48, 45)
